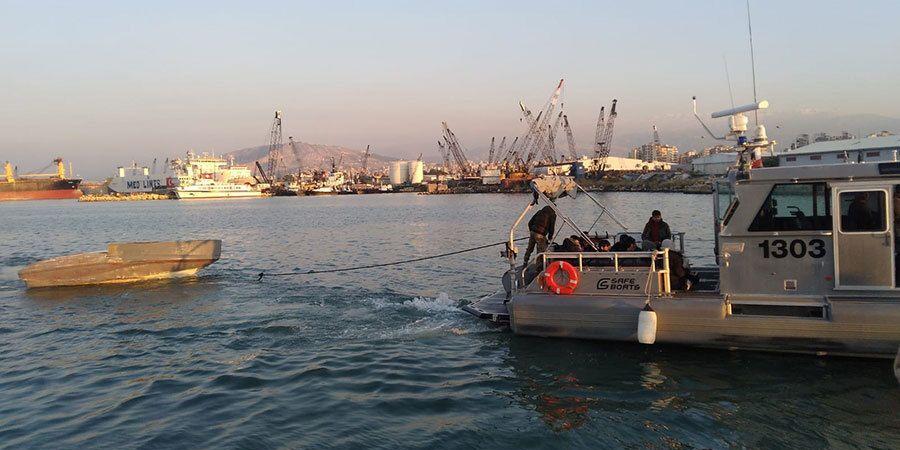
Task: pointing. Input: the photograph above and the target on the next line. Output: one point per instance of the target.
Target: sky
(104, 83)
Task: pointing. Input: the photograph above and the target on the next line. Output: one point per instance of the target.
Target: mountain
(311, 156)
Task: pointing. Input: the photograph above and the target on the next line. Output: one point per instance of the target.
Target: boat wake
(10, 273)
(441, 303)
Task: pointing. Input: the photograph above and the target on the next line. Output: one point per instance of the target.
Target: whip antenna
(752, 62)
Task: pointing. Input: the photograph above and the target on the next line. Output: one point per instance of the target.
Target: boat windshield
(724, 199)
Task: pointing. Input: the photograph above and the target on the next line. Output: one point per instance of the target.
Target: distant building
(611, 163)
(490, 176)
(715, 164)
(870, 149)
(804, 139)
(616, 163)
(655, 150)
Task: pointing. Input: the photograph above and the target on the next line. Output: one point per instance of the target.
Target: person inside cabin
(860, 215)
(540, 228)
(656, 231)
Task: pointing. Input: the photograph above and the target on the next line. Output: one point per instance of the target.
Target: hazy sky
(102, 83)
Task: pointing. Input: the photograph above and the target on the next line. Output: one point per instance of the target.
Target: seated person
(626, 244)
(572, 244)
(680, 277)
(603, 245)
(656, 231)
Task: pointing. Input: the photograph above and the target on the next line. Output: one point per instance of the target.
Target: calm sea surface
(375, 358)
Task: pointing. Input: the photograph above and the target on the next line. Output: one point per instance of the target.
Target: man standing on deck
(541, 228)
(655, 232)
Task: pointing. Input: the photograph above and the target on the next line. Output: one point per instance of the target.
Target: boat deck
(493, 307)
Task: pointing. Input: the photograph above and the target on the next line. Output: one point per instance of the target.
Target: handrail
(664, 281)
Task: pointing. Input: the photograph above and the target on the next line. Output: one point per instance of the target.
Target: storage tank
(399, 172)
(416, 172)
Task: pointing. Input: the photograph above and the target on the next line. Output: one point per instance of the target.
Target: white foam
(441, 303)
(10, 273)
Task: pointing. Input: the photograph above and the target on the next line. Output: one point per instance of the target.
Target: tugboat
(806, 262)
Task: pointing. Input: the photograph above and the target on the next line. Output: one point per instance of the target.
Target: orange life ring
(550, 283)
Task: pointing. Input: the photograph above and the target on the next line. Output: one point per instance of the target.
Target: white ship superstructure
(141, 179)
(193, 170)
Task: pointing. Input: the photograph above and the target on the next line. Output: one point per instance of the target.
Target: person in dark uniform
(540, 227)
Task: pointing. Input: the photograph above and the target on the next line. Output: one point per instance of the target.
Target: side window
(863, 211)
(795, 207)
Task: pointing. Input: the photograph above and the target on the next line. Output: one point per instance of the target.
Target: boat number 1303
(798, 248)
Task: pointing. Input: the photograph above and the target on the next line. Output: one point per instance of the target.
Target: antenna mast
(752, 62)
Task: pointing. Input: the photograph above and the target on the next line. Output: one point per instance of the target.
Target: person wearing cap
(656, 231)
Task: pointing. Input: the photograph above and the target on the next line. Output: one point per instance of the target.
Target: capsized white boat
(124, 262)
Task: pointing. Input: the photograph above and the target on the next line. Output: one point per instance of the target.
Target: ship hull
(183, 195)
(40, 190)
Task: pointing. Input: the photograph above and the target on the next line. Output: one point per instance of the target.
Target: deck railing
(662, 273)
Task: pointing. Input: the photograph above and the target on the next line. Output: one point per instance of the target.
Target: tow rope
(371, 266)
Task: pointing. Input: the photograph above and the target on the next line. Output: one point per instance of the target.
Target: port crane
(500, 149)
(534, 138)
(275, 162)
(598, 134)
(295, 151)
(570, 138)
(491, 151)
(445, 155)
(365, 160)
(510, 154)
(456, 149)
(550, 149)
(604, 135)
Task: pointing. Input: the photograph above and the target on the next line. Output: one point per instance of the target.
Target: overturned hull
(124, 263)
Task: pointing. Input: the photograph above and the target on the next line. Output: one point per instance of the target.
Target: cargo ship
(39, 186)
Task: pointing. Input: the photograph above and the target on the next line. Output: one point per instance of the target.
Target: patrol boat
(806, 262)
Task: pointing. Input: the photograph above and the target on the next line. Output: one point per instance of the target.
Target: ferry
(205, 188)
(178, 173)
(136, 179)
(806, 262)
